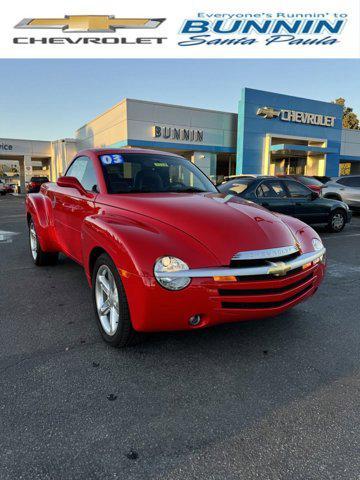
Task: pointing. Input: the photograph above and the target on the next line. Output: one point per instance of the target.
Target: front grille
(268, 277)
(262, 291)
(266, 291)
(259, 305)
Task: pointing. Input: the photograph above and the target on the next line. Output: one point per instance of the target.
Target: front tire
(40, 258)
(110, 304)
(337, 221)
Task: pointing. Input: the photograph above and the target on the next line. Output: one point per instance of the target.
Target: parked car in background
(345, 189)
(164, 250)
(310, 182)
(35, 183)
(2, 189)
(9, 187)
(232, 177)
(323, 178)
(243, 175)
(288, 196)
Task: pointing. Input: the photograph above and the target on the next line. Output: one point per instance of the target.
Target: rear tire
(40, 258)
(337, 221)
(111, 305)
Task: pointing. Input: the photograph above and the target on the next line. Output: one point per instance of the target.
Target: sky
(50, 99)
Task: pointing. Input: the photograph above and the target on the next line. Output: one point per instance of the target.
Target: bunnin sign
(177, 133)
(297, 117)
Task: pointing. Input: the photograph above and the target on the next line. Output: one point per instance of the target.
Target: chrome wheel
(337, 221)
(107, 300)
(33, 240)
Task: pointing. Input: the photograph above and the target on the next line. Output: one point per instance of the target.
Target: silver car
(346, 189)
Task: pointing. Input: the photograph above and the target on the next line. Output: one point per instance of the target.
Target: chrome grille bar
(271, 269)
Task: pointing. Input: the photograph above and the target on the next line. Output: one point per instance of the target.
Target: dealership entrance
(22, 159)
(288, 165)
(297, 164)
(297, 156)
(18, 170)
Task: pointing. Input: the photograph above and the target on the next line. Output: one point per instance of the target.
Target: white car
(346, 189)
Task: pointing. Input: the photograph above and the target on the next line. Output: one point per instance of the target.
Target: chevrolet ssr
(163, 249)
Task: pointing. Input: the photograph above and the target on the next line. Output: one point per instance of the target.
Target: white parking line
(342, 270)
(7, 237)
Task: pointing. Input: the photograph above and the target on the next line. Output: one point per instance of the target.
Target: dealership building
(271, 133)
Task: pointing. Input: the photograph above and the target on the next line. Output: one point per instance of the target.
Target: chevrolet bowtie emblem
(90, 23)
(268, 112)
(279, 269)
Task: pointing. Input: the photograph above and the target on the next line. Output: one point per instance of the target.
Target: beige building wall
(218, 128)
(63, 151)
(135, 120)
(104, 130)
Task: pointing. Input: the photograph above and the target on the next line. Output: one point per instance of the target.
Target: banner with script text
(199, 29)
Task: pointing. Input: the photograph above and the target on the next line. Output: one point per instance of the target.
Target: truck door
(71, 207)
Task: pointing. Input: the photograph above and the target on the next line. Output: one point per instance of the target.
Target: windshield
(152, 173)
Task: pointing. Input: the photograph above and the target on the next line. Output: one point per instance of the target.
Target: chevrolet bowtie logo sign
(295, 116)
(89, 23)
(268, 112)
(279, 269)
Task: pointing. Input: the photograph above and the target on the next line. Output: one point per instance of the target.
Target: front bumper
(257, 293)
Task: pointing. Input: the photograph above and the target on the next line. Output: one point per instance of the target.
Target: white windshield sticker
(111, 159)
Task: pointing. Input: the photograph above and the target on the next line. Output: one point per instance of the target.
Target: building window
(345, 168)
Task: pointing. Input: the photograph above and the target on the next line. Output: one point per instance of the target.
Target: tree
(350, 119)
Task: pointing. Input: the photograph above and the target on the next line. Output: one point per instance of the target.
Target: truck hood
(222, 223)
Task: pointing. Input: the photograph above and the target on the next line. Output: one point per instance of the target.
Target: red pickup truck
(163, 249)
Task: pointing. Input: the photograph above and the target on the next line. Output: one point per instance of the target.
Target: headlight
(169, 265)
(317, 244)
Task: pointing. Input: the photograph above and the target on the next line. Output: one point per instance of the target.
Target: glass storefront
(288, 165)
(296, 156)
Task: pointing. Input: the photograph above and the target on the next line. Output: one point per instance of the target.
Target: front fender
(135, 245)
(40, 208)
(302, 232)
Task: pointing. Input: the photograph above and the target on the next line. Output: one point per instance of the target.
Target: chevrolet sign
(89, 23)
(297, 117)
(268, 112)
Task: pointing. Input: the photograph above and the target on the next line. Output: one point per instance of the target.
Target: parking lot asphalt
(275, 399)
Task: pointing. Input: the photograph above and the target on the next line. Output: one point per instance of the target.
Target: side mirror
(72, 182)
(314, 195)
